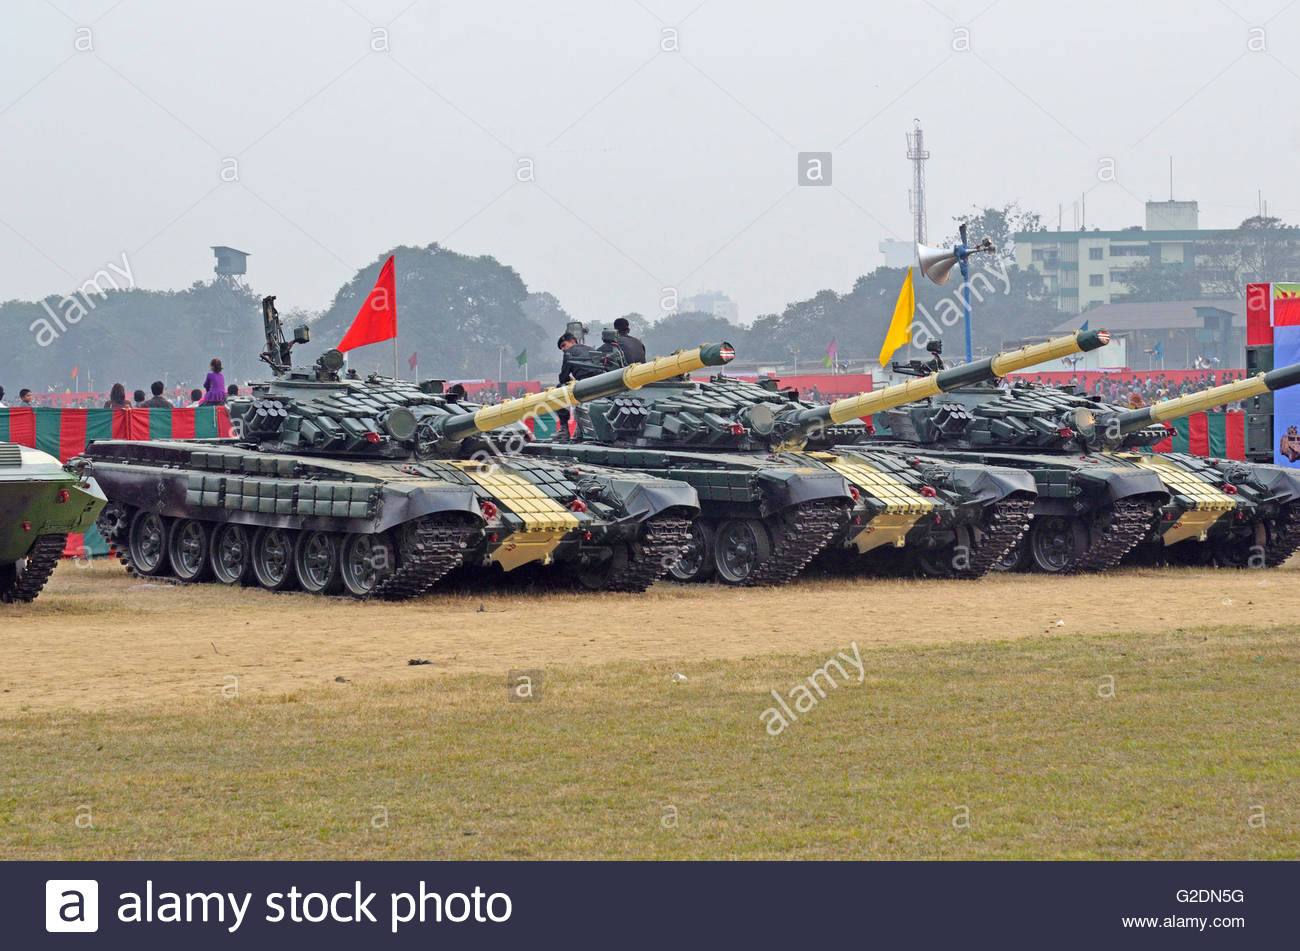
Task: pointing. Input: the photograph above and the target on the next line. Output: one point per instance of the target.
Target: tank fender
(1276, 483)
(647, 497)
(1116, 484)
(783, 488)
(984, 485)
(401, 504)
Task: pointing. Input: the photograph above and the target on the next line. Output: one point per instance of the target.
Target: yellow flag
(900, 328)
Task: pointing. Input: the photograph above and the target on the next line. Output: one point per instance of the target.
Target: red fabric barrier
(72, 433)
(22, 426)
(1235, 433)
(1198, 435)
(183, 423)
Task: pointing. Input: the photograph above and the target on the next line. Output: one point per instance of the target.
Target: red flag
(377, 319)
(414, 361)
(75, 369)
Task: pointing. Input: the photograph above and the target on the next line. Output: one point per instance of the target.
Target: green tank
(41, 503)
(780, 483)
(1102, 495)
(379, 488)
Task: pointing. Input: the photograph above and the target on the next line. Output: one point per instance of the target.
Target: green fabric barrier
(1181, 443)
(545, 425)
(205, 422)
(1217, 432)
(160, 423)
(48, 427)
(4, 427)
(99, 424)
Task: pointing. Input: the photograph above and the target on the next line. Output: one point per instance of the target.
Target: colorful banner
(64, 433)
(1218, 435)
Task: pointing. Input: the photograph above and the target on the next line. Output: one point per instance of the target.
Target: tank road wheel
(742, 546)
(1242, 551)
(273, 559)
(316, 559)
(367, 560)
(1056, 543)
(147, 544)
(696, 563)
(231, 553)
(188, 550)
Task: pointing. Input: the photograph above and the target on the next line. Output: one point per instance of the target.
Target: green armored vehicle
(378, 488)
(1101, 496)
(41, 503)
(778, 486)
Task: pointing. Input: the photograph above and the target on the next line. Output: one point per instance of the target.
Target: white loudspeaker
(936, 263)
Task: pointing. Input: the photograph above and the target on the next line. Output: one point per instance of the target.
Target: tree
(686, 329)
(1150, 281)
(1259, 249)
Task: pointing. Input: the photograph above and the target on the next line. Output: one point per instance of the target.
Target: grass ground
(996, 749)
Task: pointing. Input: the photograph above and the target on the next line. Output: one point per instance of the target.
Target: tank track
(113, 523)
(431, 547)
(807, 529)
(1006, 524)
(1285, 537)
(1130, 522)
(662, 541)
(41, 561)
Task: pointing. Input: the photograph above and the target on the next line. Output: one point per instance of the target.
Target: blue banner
(1286, 401)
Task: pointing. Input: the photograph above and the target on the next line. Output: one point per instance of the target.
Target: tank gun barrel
(990, 368)
(1176, 408)
(578, 391)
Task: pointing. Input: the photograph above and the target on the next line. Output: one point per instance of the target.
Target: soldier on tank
(935, 363)
(580, 362)
(632, 348)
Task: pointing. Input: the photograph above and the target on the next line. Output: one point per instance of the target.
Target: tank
(1101, 496)
(379, 488)
(41, 503)
(778, 487)
(1223, 511)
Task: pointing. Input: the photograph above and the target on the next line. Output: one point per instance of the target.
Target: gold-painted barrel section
(980, 371)
(604, 384)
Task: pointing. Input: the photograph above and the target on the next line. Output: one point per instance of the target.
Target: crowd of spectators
(215, 390)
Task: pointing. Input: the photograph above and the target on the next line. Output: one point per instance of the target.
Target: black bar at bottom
(651, 905)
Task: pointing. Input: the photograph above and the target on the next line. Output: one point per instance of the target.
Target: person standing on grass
(214, 385)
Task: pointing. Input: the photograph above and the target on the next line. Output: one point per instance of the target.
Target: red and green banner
(65, 433)
(1220, 435)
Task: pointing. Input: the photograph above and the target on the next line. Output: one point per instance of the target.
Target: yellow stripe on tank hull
(546, 521)
(904, 507)
(1209, 503)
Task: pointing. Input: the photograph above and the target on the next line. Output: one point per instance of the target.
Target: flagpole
(395, 376)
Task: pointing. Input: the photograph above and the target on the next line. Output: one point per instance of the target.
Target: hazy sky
(653, 167)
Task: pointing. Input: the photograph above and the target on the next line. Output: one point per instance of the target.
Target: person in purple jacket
(214, 385)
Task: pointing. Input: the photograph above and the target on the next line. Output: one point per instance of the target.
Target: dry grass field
(1159, 720)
